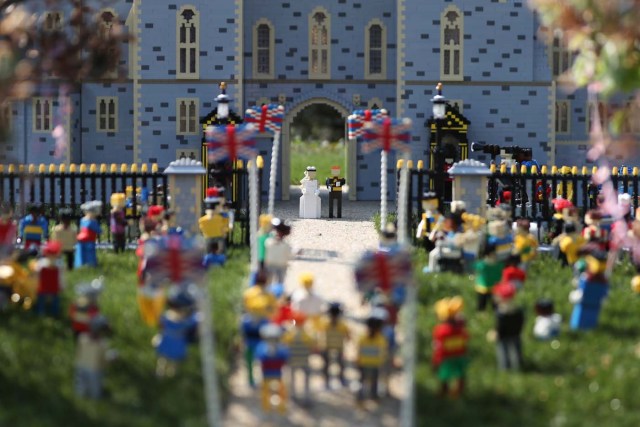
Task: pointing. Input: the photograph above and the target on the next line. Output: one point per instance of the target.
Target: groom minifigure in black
(334, 185)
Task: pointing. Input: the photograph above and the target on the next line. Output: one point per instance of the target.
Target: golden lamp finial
(223, 86)
(439, 88)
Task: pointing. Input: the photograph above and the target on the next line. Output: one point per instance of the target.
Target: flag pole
(407, 408)
(383, 189)
(273, 172)
(207, 355)
(253, 213)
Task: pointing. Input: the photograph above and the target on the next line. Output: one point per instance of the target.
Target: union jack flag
(173, 258)
(359, 118)
(387, 134)
(265, 118)
(231, 141)
(383, 269)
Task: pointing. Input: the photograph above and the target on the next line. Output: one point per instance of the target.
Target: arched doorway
(287, 138)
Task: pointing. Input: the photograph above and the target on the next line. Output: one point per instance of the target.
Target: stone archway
(285, 175)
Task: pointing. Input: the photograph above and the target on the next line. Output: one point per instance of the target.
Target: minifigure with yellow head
(592, 289)
(449, 343)
(118, 221)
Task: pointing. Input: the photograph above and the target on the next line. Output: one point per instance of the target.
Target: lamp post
(439, 113)
(223, 101)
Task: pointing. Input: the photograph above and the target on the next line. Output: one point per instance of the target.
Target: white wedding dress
(310, 199)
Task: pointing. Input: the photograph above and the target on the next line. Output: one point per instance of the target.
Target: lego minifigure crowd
(497, 250)
(288, 330)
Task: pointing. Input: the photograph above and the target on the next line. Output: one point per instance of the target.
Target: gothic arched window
(319, 44)
(451, 46)
(188, 43)
(263, 50)
(375, 51)
(106, 20)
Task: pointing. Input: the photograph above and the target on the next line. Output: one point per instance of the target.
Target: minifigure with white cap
(89, 232)
(49, 279)
(273, 356)
(334, 184)
(310, 203)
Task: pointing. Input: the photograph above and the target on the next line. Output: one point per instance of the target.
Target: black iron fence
(60, 186)
(531, 190)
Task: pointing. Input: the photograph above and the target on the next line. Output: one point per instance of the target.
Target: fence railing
(60, 186)
(532, 190)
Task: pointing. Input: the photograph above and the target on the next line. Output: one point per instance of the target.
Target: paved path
(329, 248)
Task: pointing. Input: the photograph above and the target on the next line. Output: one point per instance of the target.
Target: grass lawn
(305, 154)
(36, 357)
(579, 379)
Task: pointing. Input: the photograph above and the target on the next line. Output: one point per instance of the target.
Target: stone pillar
(185, 189)
(470, 183)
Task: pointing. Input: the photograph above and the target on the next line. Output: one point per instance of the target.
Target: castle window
(319, 44)
(451, 47)
(562, 117)
(560, 56)
(42, 114)
(375, 50)
(107, 114)
(106, 19)
(263, 50)
(602, 115)
(187, 112)
(188, 44)
(52, 22)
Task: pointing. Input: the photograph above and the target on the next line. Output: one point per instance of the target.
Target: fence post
(185, 187)
(470, 183)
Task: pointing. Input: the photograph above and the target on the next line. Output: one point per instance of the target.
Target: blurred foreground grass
(36, 357)
(579, 379)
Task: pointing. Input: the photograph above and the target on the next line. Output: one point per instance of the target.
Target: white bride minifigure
(310, 199)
